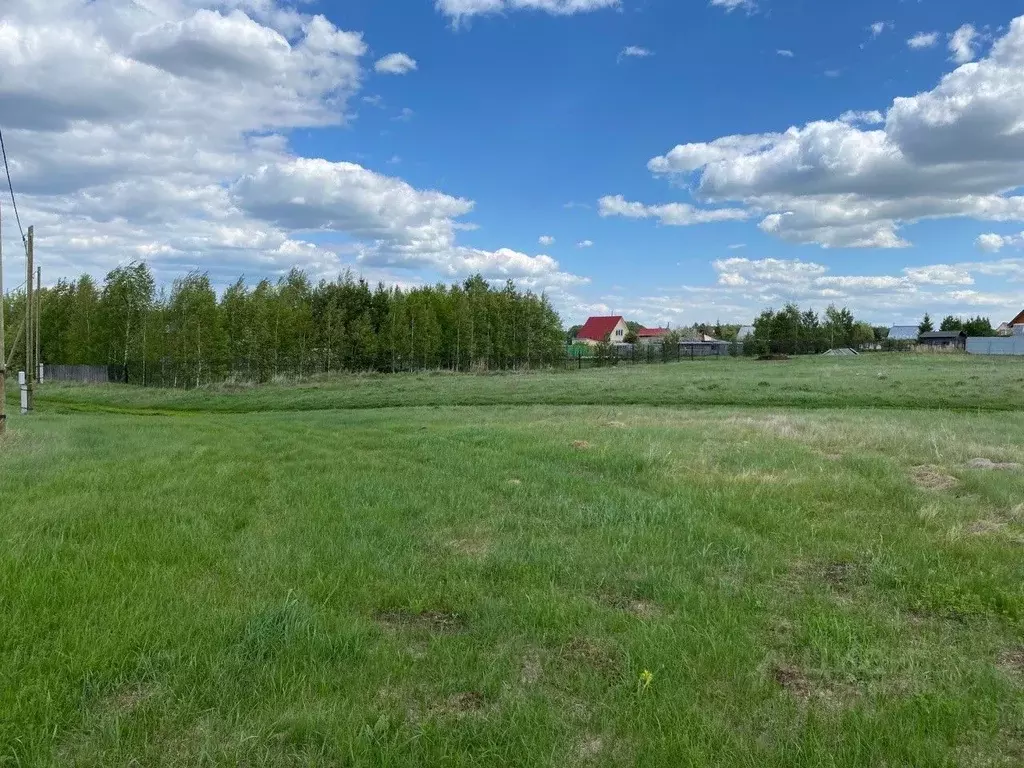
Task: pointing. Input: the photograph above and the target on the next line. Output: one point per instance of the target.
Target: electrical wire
(10, 185)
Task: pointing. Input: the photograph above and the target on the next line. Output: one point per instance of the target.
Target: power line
(10, 186)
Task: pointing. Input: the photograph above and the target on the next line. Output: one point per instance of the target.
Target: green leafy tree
(950, 323)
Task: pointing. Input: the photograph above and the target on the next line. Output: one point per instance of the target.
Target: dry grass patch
(532, 669)
(475, 546)
(639, 607)
(434, 622)
(1012, 662)
(807, 690)
(583, 652)
(988, 464)
(580, 445)
(932, 478)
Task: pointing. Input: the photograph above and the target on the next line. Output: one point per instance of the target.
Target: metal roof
(904, 332)
(943, 335)
(744, 332)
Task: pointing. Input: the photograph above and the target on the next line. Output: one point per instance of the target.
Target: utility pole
(37, 359)
(3, 343)
(29, 297)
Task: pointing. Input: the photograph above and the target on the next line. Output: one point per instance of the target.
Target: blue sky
(267, 134)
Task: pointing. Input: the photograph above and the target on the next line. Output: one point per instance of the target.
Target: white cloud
(458, 10)
(634, 51)
(993, 242)
(156, 130)
(673, 214)
(546, 240)
(923, 40)
(395, 64)
(962, 44)
(879, 27)
(785, 52)
(954, 151)
(404, 116)
(585, 244)
(731, 5)
(852, 117)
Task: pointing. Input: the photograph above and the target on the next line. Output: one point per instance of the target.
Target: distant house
(1017, 325)
(651, 335)
(598, 330)
(1004, 329)
(943, 339)
(903, 333)
(745, 332)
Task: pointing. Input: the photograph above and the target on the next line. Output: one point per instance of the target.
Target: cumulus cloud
(395, 64)
(785, 53)
(954, 151)
(156, 130)
(853, 117)
(458, 10)
(585, 244)
(962, 44)
(546, 240)
(993, 242)
(923, 40)
(673, 214)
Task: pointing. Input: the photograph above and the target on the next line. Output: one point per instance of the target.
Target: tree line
(188, 336)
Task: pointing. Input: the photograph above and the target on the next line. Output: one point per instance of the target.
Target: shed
(944, 339)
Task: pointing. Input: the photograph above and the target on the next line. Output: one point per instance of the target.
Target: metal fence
(996, 345)
(87, 374)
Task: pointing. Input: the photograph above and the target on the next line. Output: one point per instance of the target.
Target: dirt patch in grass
(616, 425)
(514, 481)
(932, 478)
(583, 652)
(435, 622)
(636, 606)
(580, 445)
(807, 690)
(458, 705)
(1012, 662)
(988, 464)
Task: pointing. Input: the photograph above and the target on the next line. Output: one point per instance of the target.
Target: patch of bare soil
(807, 690)
(988, 464)
(639, 607)
(584, 652)
(435, 622)
(1012, 662)
(932, 478)
(458, 705)
(581, 445)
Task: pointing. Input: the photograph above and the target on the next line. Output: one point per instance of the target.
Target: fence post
(23, 383)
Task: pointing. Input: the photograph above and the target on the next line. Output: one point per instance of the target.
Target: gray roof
(904, 332)
(744, 332)
(943, 335)
(841, 352)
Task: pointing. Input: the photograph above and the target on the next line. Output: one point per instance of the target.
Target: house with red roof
(651, 335)
(598, 330)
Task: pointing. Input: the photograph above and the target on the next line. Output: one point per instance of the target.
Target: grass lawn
(293, 576)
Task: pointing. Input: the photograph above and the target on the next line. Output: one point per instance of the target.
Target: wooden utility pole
(3, 341)
(37, 358)
(29, 297)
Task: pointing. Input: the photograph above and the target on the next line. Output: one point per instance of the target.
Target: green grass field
(655, 566)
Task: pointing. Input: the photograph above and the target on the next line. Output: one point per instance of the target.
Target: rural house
(944, 339)
(651, 335)
(1017, 325)
(598, 330)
